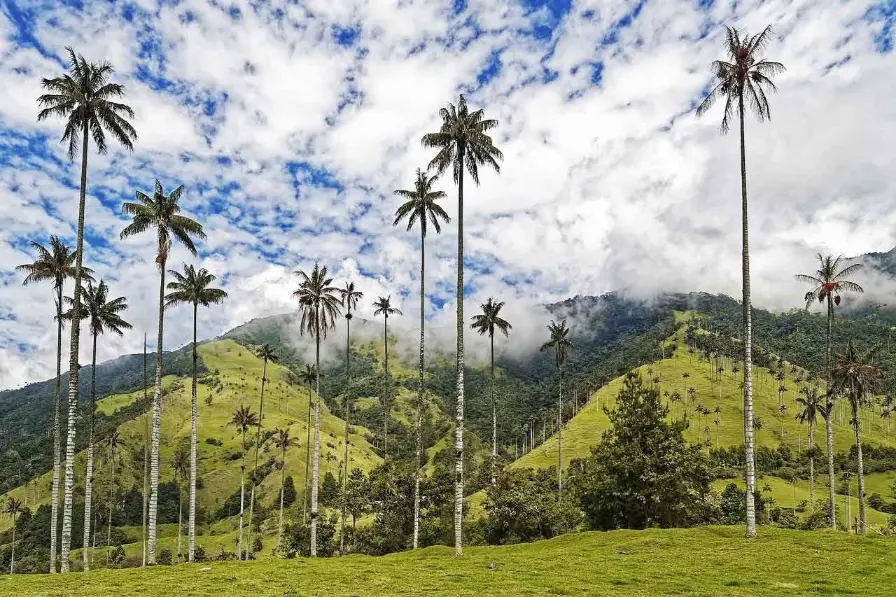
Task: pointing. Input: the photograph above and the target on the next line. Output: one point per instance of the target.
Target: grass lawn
(703, 561)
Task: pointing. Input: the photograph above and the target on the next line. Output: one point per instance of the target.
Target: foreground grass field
(704, 561)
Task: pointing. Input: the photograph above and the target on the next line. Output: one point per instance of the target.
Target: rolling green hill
(234, 379)
(699, 561)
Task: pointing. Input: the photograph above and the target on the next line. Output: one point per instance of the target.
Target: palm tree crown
(349, 298)
(746, 77)
(811, 406)
(853, 375)
(54, 263)
(421, 204)
(243, 418)
(103, 313)
(162, 212)
(383, 306)
(267, 353)
(489, 320)
(308, 374)
(283, 440)
(829, 279)
(192, 288)
(317, 301)
(85, 98)
(559, 341)
(462, 141)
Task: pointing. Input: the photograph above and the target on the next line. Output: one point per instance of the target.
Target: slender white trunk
(180, 519)
(264, 373)
(239, 554)
(69, 486)
(560, 437)
(860, 527)
(494, 409)
(459, 389)
(280, 521)
(829, 419)
(388, 389)
(145, 451)
(419, 447)
(191, 531)
(57, 448)
(88, 479)
(348, 378)
(12, 557)
(156, 421)
(315, 465)
(748, 338)
(305, 494)
(111, 504)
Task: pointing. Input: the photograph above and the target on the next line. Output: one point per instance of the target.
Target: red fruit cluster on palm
(837, 300)
(829, 286)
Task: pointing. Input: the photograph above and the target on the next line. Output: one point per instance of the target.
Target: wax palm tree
(855, 377)
(283, 441)
(85, 98)
(383, 306)
(559, 341)
(828, 281)
(104, 314)
(463, 143)
(349, 298)
(267, 354)
(319, 307)
(114, 441)
(810, 408)
(55, 264)
(420, 208)
(745, 78)
(718, 423)
(486, 323)
(242, 418)
(308, 376)
(193, 288)
(13, 508)
(757, 426)
(161, 212)
(180, 464)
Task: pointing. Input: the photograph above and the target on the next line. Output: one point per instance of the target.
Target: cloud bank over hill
(291, 125)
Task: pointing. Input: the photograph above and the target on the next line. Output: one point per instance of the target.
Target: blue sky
(290, 124)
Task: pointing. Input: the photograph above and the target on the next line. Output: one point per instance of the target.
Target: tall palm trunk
(191, 532)
(88, 479)
(491, 338)
(57, 448)
(180, 518)
(315, 465)
(156, 417)
(829, 416)
(306, 498)
(419, 446)
(145, 450)
(280, 521)
(860, 527)
(748, 337)
(560, 437)
(69, 486)
(348, 378)
(111, 503)
(264, 374)
(811, 468)
(459, 389)
(387, 390)
(239, 549)
(12, 558)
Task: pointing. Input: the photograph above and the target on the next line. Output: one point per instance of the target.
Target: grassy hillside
(234, 378)
(585, 429)
(701, 561)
